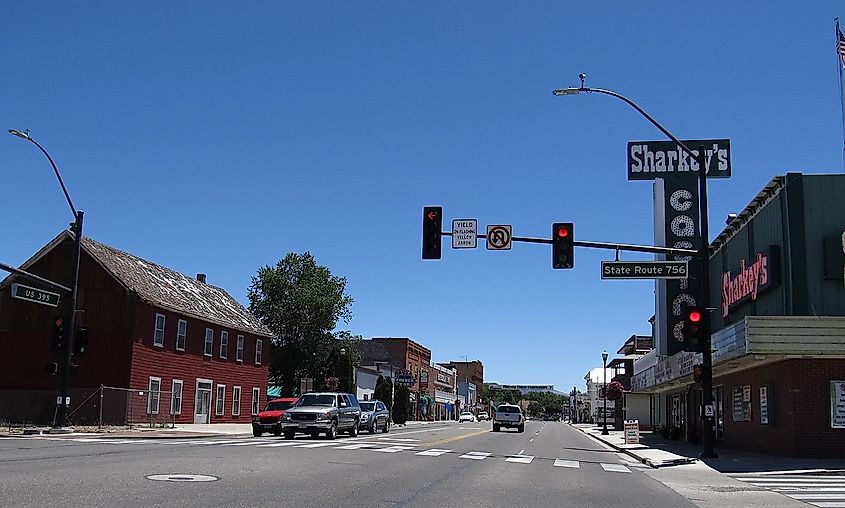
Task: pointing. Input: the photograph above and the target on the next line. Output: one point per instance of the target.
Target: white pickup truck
(507, 415)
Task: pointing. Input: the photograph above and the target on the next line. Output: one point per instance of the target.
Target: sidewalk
(180, 431)
(656, 451)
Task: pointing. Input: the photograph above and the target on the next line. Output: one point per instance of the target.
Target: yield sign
(499, 237)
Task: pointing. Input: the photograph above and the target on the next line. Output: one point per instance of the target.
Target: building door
(202, 405)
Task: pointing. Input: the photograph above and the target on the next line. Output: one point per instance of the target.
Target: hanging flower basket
(615, 390)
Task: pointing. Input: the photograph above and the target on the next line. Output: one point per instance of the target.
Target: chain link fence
(110, 406)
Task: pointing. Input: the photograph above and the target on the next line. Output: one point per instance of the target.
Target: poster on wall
(741, 406)
(764, 405)
(837, 404)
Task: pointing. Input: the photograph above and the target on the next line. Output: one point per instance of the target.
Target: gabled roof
(163, 287)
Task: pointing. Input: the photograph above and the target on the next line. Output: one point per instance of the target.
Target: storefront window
(719, 419)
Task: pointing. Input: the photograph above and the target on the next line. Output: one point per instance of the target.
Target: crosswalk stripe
(615, 468)
(393, 449)
(434, 452)
(567, 463)
(475, 455)
(317, 445)
(398, 439)
(520, 459)
(242, 443)
(816, 496)
(276, 445)
(356, 446)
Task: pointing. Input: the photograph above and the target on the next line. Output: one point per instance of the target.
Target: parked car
(270, 419)
(510, 416)
(483, 416)
(326, 412)
(466, 416)
(374, 416)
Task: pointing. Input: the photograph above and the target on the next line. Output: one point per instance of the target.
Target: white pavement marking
(398, 439)
(521, 459)
(774, 481)
(357, 446)
(615, 468)
(833, 504)
(521, 452)
(817, 496)
(475, 455)
(317, 445)
(567, 463)
(244, 443)
(394, 449)
(434, 452)
(276, 445)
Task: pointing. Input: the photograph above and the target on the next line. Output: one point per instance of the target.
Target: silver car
(329, 413)
(374, 416)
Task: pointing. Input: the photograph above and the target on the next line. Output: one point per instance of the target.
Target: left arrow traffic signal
(58, 337)
(431, 232)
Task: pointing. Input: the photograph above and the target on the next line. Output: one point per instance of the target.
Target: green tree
(383, 391)
(535, 409)
(301, 303)
(403, 405)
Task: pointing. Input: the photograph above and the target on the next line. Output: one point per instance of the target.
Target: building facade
(163, 347)
(778, 328)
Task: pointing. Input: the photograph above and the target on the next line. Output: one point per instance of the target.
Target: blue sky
(216, 137)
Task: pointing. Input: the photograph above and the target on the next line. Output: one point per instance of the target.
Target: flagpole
(840, 62)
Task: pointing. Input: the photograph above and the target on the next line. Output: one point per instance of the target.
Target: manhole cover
(182, 478)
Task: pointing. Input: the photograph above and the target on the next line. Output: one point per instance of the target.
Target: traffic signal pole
(706, 354)
(70, 334)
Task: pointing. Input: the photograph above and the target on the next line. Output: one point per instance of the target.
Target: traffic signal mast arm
(34, 277)
(603, 245)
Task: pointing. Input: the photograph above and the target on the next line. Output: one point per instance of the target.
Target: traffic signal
(431, 234)
(58, 337)
(563, 248)
(80, 344)
(51, 368)
(694, 330)
(699, 371)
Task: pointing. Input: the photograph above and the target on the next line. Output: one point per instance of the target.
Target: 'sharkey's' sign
(751, 280)
(648, 160)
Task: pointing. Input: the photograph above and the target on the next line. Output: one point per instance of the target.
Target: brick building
(167, 347)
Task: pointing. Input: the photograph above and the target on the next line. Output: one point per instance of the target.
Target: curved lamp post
(703, 254)
(70, 334)
(604, 393)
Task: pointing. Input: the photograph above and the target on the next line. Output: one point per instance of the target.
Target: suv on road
(270, 419)
(510, 416)
(325, 412)
(374, 416)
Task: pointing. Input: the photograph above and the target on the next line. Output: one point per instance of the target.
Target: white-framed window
(181, 335)
(176, 397)
(221, 400)
(258, 351)
(209, 341)
(158, 336)
(256, 400)
(239, 354)
(236, 401)
(224, 344)
(153, 395)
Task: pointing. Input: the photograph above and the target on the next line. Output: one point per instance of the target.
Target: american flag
(841, 46)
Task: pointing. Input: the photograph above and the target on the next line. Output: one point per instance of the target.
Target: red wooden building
(165, 346)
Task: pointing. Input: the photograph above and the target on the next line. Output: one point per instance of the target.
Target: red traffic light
(695, 316)
(563, 232)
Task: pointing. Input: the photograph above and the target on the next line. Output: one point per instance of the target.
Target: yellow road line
(455, 438)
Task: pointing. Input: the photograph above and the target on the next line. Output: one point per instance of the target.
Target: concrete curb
(645, 460)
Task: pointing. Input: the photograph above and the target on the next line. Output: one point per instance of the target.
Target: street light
(76, 227)
(703, 254)
(604, 393)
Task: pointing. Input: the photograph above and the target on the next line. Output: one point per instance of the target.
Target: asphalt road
(550, 464)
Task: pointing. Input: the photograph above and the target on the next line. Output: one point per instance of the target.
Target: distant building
(165, 346)
(524, 389)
